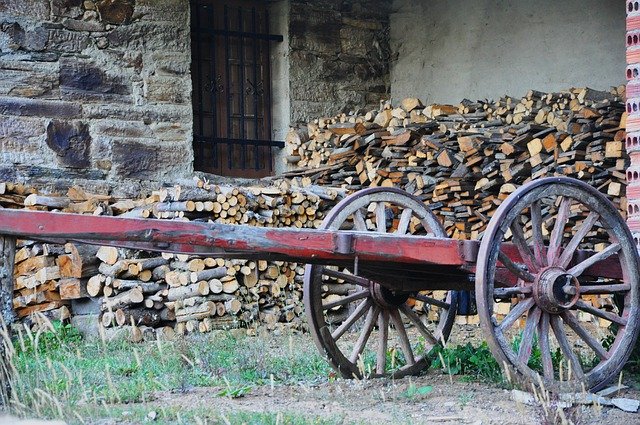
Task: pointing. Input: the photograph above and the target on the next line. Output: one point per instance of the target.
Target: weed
(414, 393)
(475, 362)
(234, 391)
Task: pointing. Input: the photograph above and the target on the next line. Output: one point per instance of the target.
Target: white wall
(449, 50)
(280, 99)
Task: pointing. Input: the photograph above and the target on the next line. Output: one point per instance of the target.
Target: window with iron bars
(230, 68)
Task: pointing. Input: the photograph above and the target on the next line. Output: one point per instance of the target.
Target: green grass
(57, 372)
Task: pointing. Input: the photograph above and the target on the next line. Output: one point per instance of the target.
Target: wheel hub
(386, 298)
(555, 290)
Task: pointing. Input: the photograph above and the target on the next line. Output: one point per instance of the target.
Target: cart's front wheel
(363, 327)
(553, 257)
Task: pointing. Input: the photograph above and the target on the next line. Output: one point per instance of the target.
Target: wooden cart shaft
(236, 241)
(398, 262)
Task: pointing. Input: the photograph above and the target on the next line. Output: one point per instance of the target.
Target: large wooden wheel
(365, 328)
(566, 244)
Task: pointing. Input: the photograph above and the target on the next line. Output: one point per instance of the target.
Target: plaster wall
(448, 50)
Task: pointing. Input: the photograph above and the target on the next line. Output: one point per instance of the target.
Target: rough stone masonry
(95, 89)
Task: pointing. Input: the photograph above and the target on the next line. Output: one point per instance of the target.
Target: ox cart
(380, 287)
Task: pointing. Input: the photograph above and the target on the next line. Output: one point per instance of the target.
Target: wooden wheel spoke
(515, 268)
(536, 229)
(526, 344)
(358, 221)
(403, 223)
(511, 292)
(565, 347)
(357, 280)
(383, 336)
(558, 230)
(517, 311)
(353, 317)
(581, 305)
(567, 253)
(579, 268)
(545, 347)
(523, 247)
(415, 319)
(573, 323)
(369, 323)
(381, 218)
(403, 338)
(604, 289)
(345, 300)
(432, 301)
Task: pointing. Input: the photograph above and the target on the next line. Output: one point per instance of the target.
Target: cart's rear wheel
(356, 321)
(563, 300)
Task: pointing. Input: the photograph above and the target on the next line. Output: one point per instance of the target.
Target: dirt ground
(383, 401)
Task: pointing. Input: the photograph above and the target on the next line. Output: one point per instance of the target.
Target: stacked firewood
(161, 294)
(464, 159)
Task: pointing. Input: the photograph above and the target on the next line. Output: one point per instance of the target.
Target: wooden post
(8, 251)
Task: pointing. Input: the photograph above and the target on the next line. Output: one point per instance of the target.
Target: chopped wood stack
(165, 294)
(464, 159)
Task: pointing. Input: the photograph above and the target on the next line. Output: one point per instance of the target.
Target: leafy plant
(413, 392)
(476, 362)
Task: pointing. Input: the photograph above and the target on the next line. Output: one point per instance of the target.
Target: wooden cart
(368, 285)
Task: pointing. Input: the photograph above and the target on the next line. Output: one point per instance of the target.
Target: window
(230, 70)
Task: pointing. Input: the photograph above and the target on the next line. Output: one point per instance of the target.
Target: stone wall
(96, 89)
(339, 56)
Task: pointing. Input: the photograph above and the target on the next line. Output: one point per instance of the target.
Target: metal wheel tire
(358, 347)
(563, 344)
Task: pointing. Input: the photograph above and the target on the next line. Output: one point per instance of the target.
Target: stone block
(121, 128)
(71, 142)
(67, 8)
(84, 79)
(163, 10)
(150, 36)
(144, 113)
(39, 108)
(66, 41)
(150, 160)
(115, 12)
(82, 25)
(161, 89)
(170, 131)
(170, 63)
(28, 79)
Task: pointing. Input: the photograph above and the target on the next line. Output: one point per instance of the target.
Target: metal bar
(243, 34)
(255, 87)
(243, 149)
(276, 143)
(214, 94)
(268, 83)
(228, 69)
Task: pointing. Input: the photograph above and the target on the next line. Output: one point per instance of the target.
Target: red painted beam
(236, 241)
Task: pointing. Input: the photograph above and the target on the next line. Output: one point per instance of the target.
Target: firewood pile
(463, 160)
(163, 294)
